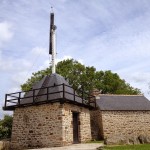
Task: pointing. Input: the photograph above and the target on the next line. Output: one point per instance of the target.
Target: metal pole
(52, 46)
(53, 51)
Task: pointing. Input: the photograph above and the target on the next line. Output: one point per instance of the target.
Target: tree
(87, 78)
(5, 127)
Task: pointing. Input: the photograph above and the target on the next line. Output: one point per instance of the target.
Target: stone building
(121, 119)
(51, 114)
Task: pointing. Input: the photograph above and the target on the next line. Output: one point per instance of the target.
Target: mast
(52, 45)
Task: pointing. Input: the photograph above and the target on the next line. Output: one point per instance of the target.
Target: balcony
(57, 93)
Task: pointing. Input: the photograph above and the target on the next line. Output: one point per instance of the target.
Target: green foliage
(5, 127)
(80, 76)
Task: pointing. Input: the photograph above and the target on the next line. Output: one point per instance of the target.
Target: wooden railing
(18, 99)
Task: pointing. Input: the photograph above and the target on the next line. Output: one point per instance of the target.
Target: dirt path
(92, 146)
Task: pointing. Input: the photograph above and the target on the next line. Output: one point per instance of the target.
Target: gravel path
(87, 146)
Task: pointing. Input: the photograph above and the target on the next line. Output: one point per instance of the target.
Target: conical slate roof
(54, 82)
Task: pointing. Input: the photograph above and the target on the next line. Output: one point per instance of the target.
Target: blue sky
(107, 34)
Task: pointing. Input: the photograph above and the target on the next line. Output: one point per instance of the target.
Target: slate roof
(47, 81)
(123, 102)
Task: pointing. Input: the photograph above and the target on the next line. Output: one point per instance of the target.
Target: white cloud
(19, 78)
(68, 57)
(11, 65)
(63, 58)
(137, 79)
(2, 113)
(39, 51)
(5, 32)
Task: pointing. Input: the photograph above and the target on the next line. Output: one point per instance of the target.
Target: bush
(6, 127)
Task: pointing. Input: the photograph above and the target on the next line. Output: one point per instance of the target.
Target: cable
(31, 67)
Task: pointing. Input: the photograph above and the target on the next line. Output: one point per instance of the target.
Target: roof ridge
(45, 81)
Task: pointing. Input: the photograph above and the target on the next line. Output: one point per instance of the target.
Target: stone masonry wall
(37, 126)
(48, 125)
(126, 123)
(96, 124)
(84, 123)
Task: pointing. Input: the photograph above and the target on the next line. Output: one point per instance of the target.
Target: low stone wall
(48, 125)
(128, 125)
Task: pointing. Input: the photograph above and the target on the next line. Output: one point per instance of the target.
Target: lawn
(128, 147)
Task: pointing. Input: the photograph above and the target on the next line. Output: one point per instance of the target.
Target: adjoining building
(121, 119)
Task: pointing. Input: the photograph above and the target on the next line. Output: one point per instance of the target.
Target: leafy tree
(80, 76)
(5, 127)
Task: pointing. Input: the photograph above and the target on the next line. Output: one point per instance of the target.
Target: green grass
(128, 147)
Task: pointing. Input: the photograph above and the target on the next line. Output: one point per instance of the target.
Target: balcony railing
(58, 93)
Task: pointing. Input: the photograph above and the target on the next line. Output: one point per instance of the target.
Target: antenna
(52, 44)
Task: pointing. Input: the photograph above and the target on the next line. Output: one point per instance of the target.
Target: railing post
(47, 93)
(63, 91)
(82, 96)
(74, 95)
(5, 100)
(88, 100)
(33, 96)
(19, 98)
(95, 102)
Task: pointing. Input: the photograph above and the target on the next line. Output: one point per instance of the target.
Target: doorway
(75, 127)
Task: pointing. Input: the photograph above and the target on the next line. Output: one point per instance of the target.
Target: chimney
(95, 92)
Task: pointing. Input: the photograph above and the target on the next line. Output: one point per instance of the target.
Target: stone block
(144, 139)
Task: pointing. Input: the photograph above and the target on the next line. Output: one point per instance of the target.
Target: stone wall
(84, 123)
(120, 127)
(48, 125)
(127, 126)
(37, 126)
(96, 124)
